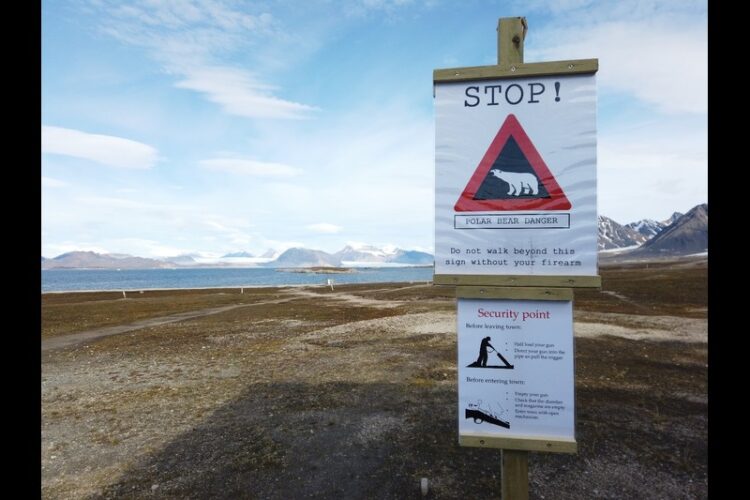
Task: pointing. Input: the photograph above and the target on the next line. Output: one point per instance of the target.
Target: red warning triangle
(512, 176)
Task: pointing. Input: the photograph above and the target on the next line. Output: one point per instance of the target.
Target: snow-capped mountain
(363, 253)
(677, 235)
(412, 257)
(181, 260)
(304, 257)
(353, 255)
(673, 218)
(614, 235)
(686, 235)
(94, 260)
(270, 254)
(645, 236)
(648, 228)
(241, 253)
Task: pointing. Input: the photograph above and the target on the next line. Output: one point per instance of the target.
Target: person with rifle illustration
(481, 361)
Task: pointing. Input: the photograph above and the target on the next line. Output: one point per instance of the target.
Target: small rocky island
(318, 270)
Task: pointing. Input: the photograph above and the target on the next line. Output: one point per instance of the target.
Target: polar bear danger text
(512, 221)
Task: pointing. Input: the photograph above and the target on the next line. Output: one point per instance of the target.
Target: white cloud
(238, 93)
(173, 215)
(49, 182)
(117, 203)
(324, 228)
(143, 247)
(250, 167)
(373, 178)
(659, 64)
(586, 12)
(104, 149)
(188, 38)
(656, 51)
(391, 8)
(652, 170)
(176, 15)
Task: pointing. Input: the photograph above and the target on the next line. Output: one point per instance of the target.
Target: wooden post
(515, 475)
(514, 478)
(511, 32)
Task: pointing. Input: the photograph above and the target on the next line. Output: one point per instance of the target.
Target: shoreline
(291, 285)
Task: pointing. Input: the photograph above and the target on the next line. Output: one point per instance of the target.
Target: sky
(173, 127)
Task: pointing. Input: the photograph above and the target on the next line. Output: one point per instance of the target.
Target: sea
(68, 280)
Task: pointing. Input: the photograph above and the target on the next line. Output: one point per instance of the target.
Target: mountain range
(350, 256)
(615, 235)
(93, 260)
(687, 235)
(680, 234)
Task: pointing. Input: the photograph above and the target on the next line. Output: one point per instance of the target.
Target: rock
(424, 486)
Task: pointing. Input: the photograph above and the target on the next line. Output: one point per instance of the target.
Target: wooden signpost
(515, 232)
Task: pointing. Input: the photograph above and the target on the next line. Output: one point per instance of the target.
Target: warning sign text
(512, 221)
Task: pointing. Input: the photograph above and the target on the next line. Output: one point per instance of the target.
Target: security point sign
(515, 369)
(515, 180)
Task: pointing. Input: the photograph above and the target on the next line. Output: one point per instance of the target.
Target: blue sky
(173, 127)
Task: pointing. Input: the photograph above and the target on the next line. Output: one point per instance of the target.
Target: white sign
(515, 369)
(515, 176)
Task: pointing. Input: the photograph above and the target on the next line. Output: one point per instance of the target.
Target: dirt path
(347, 298)
(97, 333)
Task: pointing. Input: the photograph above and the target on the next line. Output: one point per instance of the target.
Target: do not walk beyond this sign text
(516, 155)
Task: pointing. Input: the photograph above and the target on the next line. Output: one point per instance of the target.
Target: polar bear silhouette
(518, 182)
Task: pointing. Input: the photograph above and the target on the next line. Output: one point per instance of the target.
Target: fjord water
(60, 280)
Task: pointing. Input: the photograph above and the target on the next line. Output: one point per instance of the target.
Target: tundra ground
(304, 392)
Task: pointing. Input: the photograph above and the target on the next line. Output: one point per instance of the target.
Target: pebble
(424, 486)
